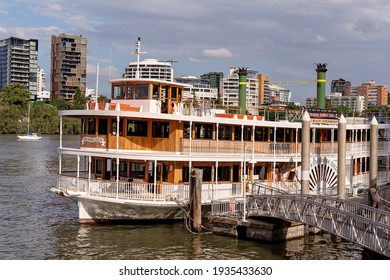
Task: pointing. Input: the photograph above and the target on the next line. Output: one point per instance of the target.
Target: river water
(36, 224)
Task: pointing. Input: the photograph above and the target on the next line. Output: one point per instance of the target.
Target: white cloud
(54, 7)
(278, 37)
(3, 30)
(217, 53)
(320, 39)
(81, 23)
(194, 59)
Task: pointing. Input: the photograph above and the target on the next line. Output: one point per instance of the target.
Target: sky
(281, 38)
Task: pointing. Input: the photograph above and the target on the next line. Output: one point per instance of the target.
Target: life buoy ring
(173, 106)
(232, 207)
(277, 175)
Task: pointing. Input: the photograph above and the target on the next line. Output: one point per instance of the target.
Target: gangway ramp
(366, 226)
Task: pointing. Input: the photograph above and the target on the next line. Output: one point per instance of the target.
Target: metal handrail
(364, 225)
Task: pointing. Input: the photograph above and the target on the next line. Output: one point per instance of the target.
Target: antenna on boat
(137, 51)
(97, 82)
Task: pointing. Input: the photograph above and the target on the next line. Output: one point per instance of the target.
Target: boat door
(162, 173)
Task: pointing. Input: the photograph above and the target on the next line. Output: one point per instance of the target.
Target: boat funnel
(321, 84)
(242, 76)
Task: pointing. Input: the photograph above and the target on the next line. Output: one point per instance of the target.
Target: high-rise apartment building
(150, 69)
(19, 63)
(68, 66)
(263, 87)
(198, 88)
(342, 86)
(230, 90)
(215, 80)
(41, 79)
(335, 99)
(277, 93)
(377, 95)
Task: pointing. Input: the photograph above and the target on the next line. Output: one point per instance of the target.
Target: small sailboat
(29, 135)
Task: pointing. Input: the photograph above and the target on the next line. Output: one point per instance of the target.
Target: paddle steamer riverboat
(136, 153)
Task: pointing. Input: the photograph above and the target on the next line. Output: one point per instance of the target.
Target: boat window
(261, 134)
(237, 133)
(123, 168)
(103, 123)
(206, 173)
(156, 90)
(114, 127)
(174, 93)
(137, 128)
(137, 170)
(180, 94)
(203, 131)
(84, 126)
(98, 166)
(225, 132)
(186, 130)
(113, 167)
(288, 134)
(280, 135)
(207, 170)
(91, 126)
(160, 129)
(119, 92)
(185, 174)
(142, 92)
(223, 173)
(164, 91)
(247, 133)
(130, 92)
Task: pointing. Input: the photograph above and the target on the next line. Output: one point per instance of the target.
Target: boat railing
(268, 187)
(232, 208)
(280, 149)
(145, 191)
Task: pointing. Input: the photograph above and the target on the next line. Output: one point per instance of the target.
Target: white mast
(28, 120)
(97, 82)
(137, 51)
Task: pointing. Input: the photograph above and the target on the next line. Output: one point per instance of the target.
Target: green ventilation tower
(242, 75)
(321, 84)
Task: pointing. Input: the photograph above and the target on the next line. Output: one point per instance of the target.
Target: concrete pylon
(341, 154)
(305, 153)
(373, 198)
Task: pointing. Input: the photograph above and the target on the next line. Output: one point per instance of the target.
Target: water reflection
(38, 224)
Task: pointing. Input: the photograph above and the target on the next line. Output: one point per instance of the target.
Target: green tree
(10, 120)
(60, 104)
(15, 94)
(345, 110)
(79, 100)
(102, 98)
(291, 106)
(44, 118)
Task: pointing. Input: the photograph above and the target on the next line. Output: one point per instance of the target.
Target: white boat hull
(29, 137)
(92, 210)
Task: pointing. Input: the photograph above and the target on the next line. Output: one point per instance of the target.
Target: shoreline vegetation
(44, 119)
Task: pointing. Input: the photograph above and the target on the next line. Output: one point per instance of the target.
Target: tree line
(44, 119)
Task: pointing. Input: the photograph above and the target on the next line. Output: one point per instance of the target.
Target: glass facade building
(19, 63)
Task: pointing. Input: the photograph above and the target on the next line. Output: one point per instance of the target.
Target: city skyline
(283, 39)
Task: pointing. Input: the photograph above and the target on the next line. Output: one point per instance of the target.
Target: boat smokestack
(321, 84)
(242, 75)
